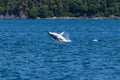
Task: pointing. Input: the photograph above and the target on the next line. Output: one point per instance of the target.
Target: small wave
(95, 40)
(68, 40)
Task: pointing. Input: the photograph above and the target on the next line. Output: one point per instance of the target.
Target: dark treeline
(59, 8)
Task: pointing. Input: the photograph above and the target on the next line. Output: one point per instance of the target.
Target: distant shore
(95, 18)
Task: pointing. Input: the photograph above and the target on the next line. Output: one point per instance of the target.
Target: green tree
(2, 9)
(75, 7)
(116, 9)
(44, 11)
(32, 13)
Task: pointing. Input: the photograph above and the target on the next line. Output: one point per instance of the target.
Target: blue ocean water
(27, 52)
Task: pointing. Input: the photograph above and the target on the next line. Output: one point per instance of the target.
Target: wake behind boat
(59, 37)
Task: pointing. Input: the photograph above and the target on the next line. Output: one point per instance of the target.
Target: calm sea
(27, 52)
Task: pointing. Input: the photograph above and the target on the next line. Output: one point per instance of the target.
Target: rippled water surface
(27, 52)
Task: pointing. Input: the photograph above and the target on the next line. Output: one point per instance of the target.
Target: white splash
(66, 36)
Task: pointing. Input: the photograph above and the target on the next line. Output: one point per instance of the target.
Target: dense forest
(59, 8)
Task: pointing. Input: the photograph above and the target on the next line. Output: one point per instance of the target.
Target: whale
(59, 37)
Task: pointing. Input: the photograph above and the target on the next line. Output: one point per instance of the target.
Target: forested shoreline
(35, 9)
